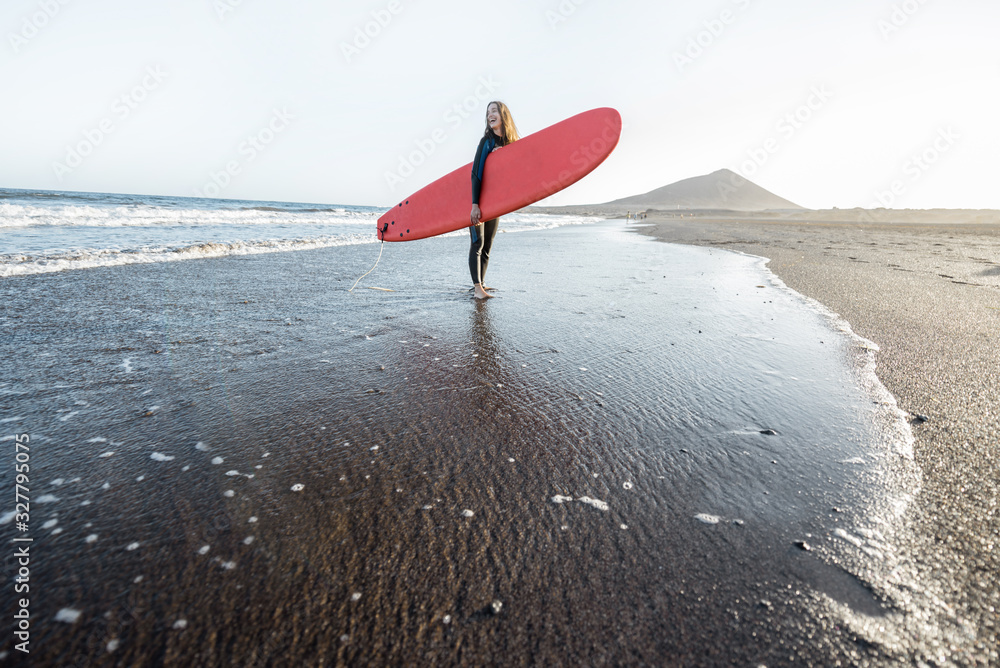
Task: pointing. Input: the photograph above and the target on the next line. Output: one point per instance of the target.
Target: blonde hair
(510, 134)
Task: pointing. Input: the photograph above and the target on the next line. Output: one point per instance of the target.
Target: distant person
(500, 131)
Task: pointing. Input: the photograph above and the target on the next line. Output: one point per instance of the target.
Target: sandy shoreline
(929, 295)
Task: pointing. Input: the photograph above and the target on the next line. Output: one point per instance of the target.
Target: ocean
(46, 231)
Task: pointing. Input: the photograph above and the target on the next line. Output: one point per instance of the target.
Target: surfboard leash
(380, 247)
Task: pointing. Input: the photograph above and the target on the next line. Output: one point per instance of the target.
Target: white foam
(467, 513)
(201, 446)
(596, 503)
(132, 546)
(844, 535)
(248, 540)
(92, 538)
(558, 498)
(47, 498)
(204, 549)
(232, 473)
(97, 439)
(6, 518)
(106, 454)
(217, 460)
(252, 520)
(87, 258)
(181, 624)
(229, 494)
(70, 236)
(150, 215)
(113, 644)
(228, 565)
(68, 615)
(160, 457)
(50, 524)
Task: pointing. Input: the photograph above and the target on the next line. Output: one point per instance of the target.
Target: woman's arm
(478, 165)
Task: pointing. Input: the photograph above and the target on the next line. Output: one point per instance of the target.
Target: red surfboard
(515, 176)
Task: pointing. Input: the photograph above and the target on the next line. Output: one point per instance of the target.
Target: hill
(721, 190)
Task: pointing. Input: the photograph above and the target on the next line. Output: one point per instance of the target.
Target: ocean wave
(24, 264)
(301, 209)
(69, 215)
(50, 232)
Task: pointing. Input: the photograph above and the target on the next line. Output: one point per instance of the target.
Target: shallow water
(611, 462)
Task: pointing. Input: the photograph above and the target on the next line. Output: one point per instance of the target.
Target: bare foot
(480, 293)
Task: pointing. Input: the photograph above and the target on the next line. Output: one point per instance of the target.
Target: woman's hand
(476, 213)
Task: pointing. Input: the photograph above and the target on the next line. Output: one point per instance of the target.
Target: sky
(866, 103)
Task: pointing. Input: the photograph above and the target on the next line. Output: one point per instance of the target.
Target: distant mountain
(723, 189)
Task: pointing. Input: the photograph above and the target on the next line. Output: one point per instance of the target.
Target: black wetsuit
(483, 233)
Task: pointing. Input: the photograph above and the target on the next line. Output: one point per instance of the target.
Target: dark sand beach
(637, 454)
(927, 291)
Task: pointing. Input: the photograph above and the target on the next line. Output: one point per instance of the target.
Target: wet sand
(241, 463)
(927, 291)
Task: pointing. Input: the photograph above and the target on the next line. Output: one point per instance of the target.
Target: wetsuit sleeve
(478, 165)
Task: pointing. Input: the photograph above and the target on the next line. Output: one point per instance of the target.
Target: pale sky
(365, 102)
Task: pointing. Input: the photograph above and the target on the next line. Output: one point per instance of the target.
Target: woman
(500, 131)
